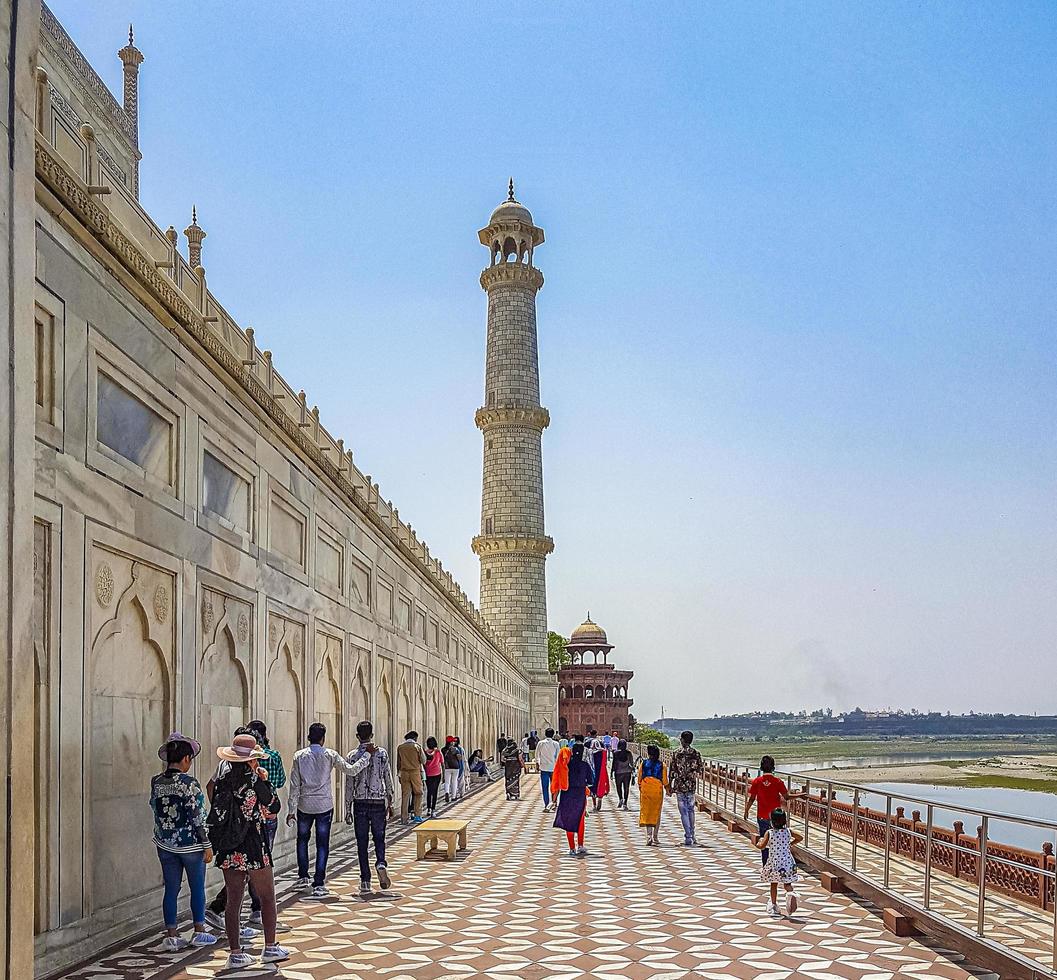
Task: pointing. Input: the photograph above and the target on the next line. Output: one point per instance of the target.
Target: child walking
(653, 784)
(780, 866)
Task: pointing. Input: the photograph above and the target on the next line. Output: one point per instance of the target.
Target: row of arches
(579, 657)
(511, 250)
(291, 676)
(598, 692)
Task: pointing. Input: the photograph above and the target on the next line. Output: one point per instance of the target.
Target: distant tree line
(779, 724)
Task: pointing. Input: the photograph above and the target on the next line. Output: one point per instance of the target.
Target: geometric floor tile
(517, 907)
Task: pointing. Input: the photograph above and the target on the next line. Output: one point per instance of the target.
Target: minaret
(512, 545)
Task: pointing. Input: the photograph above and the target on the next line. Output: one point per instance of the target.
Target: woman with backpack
(452, 768)
(180, 836)
(242, 798)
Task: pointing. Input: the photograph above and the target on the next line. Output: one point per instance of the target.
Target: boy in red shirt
(768, 791)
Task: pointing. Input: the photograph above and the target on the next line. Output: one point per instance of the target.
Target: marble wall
(193, 571)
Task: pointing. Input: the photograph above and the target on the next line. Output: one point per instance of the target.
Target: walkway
(516, 906)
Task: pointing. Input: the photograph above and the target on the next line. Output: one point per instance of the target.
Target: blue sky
(797, 335)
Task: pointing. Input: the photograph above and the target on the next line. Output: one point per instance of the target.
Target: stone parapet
(493, 416)
(512, 274)
(485, 545)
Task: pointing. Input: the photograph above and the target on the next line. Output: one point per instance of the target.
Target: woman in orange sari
(653, 784)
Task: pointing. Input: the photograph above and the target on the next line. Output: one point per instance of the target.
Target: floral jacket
(179, 812)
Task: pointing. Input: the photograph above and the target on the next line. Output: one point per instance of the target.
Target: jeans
(764, 826)
(545, 785)
(304, 830)
(173, 867)
(623, 781)
(220, 902)
(369, 816)
(687, 808)
(432, 787)
(451, 783)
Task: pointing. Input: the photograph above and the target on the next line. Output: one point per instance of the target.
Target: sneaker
(248, 932)
(203, 939)
(581, 851)
(790, 903)
(572, 852)
(303, 883)
(384, 881)
(275, 954)
(320, 891)
(240, 960)
(255, 920)
(365, 888)
(214, 920)
(173, 944)
(772, 910)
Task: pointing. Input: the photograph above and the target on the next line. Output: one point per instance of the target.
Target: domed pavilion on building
(592, 693)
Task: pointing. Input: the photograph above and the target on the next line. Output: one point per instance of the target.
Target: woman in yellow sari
(653, 784)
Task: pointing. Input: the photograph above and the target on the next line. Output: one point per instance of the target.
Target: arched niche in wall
(284, 686)
(327, 691)
(224, 672)
(130, 713)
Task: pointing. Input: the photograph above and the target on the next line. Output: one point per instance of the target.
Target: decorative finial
(589, 615)
(194, 214)
(130, 41)
(510, 193)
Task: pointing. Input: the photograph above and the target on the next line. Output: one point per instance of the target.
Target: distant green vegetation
(645, 735)
(797, 749)
(995, 781)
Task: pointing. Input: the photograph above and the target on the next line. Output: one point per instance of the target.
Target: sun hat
(196, 746)
(243, 748)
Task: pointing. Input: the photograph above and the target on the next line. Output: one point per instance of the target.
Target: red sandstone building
(592, 693)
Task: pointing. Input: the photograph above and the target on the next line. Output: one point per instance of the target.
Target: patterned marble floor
(516, 905)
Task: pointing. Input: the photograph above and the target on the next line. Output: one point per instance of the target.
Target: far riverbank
(1033, 772)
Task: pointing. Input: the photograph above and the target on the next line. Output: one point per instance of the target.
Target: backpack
(451, 757)
(226, 824)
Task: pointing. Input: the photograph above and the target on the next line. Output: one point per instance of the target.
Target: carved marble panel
(131, 682)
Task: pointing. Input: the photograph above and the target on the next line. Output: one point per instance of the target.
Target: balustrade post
(854, 827)
(807, 811)
(959, 829)
(829, 815)
(888, 837)
(928, 857)
(726, 784)
(981, 876)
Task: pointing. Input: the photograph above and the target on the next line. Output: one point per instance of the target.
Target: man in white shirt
(547, 757)
(312, 800)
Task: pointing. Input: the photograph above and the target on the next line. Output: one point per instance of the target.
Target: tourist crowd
(232, 823)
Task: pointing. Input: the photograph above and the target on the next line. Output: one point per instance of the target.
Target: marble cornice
(93, 89)
(73, 194)
(512, 273)
(512, 544)
(532, 417)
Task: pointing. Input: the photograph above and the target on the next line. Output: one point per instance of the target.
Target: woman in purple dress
(574, 784)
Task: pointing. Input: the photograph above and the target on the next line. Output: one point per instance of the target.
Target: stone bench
(432, 832)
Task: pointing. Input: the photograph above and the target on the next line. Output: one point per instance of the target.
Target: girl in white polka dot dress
(781, 865)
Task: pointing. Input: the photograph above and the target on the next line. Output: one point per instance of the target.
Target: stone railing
(1015, 871)
(77, 178)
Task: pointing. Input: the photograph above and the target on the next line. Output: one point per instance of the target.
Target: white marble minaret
(512, 545)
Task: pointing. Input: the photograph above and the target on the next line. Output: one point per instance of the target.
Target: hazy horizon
(797, 334)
